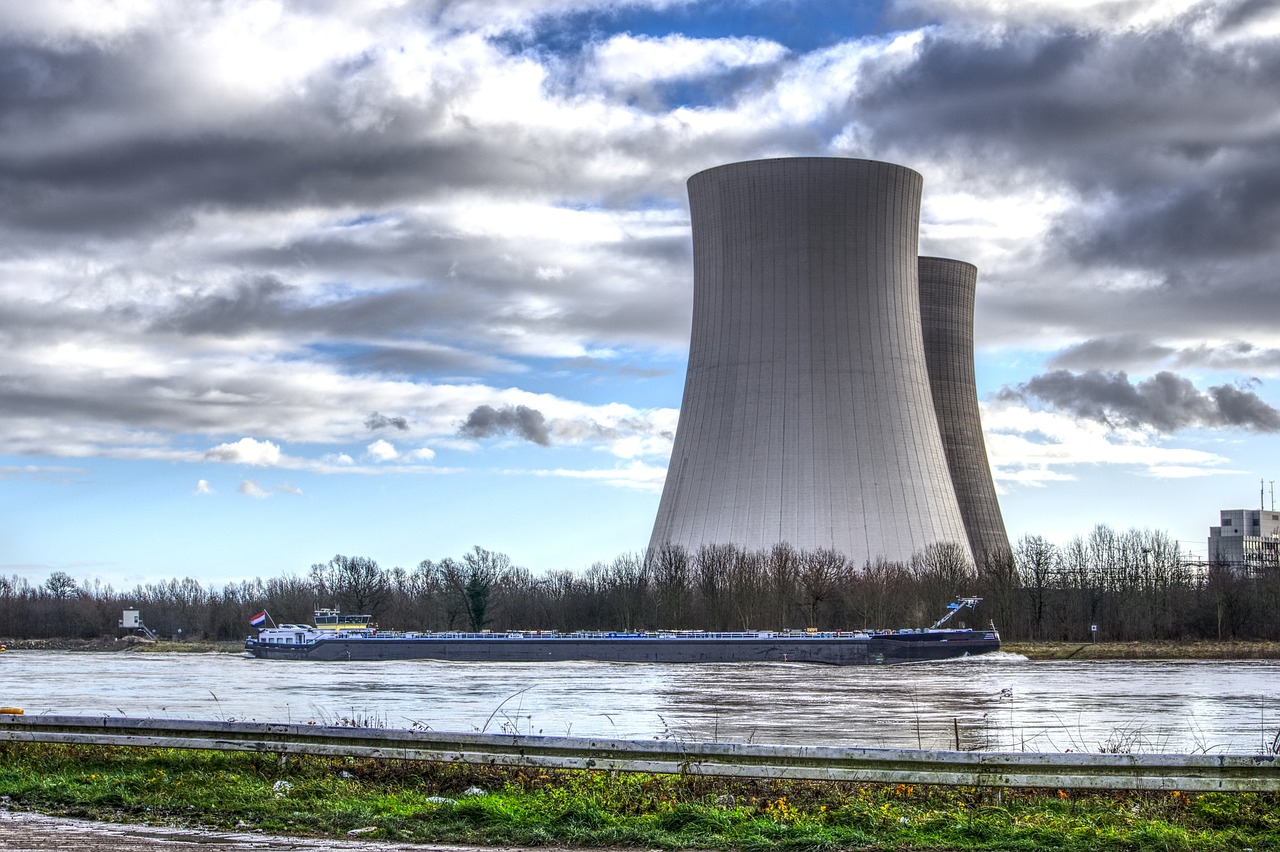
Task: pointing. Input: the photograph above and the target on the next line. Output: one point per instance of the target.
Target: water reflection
(998, 701)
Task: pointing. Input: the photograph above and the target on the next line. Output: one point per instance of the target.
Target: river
(994, 702)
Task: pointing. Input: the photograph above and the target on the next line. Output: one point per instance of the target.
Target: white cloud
(337, 459)
(1173, 471)
(264, 50)
(1028, 447)
(633, 446)
(636, 475)
(628, 60)
(383, 451)
(68, 20)
(246, 451)
(203, 487)
(1088, 14)
(249, 488)
(40, 472)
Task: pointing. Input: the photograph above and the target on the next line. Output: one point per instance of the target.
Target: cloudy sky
(393, 278)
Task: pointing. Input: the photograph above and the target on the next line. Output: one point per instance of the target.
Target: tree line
(1131, 585)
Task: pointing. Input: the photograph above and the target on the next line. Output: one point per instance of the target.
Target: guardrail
(1188, 773)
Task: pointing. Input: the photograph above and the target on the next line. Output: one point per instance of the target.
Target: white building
(1247, 539)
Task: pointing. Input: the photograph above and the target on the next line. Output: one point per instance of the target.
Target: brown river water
(995, 702)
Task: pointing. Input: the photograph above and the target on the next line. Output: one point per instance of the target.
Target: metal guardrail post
(1188, 773)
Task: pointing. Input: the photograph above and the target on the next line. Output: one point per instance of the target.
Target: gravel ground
(26, 832)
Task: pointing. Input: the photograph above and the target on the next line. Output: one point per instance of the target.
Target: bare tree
(783, 568)
(354, 582)
(669, 567)
(817, 574)
(61, 586)
(1037, 561)
(999, 584)
(943, 572)
(711, 567)
(748, 589)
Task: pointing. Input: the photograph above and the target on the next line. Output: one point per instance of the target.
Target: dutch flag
(259, 619)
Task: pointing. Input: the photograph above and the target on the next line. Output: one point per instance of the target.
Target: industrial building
(811, 410)
(1247, 540)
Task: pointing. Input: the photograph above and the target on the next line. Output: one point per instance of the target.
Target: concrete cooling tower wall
(807, 415)
(947, 290)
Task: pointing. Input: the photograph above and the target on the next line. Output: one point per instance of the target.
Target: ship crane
(954, 607)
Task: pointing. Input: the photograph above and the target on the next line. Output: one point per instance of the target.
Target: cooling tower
(807, 416)
(947, 289)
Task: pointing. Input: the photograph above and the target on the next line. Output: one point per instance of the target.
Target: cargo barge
(352, 639)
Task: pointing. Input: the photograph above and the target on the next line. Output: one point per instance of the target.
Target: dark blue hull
(828, 649)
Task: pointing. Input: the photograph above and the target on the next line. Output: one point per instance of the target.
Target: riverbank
(111, 644)
(1165, 650)
(524, 806)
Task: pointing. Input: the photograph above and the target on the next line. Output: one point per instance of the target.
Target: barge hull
(863, 650)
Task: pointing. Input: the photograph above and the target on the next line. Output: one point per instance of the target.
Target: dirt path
(25, 832)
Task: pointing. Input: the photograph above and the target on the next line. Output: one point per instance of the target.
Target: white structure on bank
(1247, 539)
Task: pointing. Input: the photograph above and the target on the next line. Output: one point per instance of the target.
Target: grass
(1200, 649)
(457, 803)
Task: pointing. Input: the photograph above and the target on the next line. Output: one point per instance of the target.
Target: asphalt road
(25, 832)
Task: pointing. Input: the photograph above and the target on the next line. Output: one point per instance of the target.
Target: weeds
(462, 803)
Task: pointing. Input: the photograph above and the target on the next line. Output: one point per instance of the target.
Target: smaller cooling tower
(947, 289)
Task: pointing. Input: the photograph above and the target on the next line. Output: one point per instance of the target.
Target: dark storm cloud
(1161, 102)
(136, 402)
(1219, 215)
(419, 358)
(377, 421)
(1136, 350)
(340, 140)
(1166, 402)
(458, 297)
(256, 303)
(140, 182)
(1156, 135)
(520, 420)
(1243, 408)
(1237, 356)
(1104, 353)
(40, 84)
(1241, 13)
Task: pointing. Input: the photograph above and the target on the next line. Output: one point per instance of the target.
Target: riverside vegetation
(1133, 586)
(432, 802)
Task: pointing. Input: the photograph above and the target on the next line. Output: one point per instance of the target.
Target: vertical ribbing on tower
(947, 291)
(807, 416)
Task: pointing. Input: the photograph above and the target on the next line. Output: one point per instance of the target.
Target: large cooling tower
(947, 289)
(807, 416)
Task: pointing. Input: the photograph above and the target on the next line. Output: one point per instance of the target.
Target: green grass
(427, 802)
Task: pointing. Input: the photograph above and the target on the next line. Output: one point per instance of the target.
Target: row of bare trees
(1131, 585)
